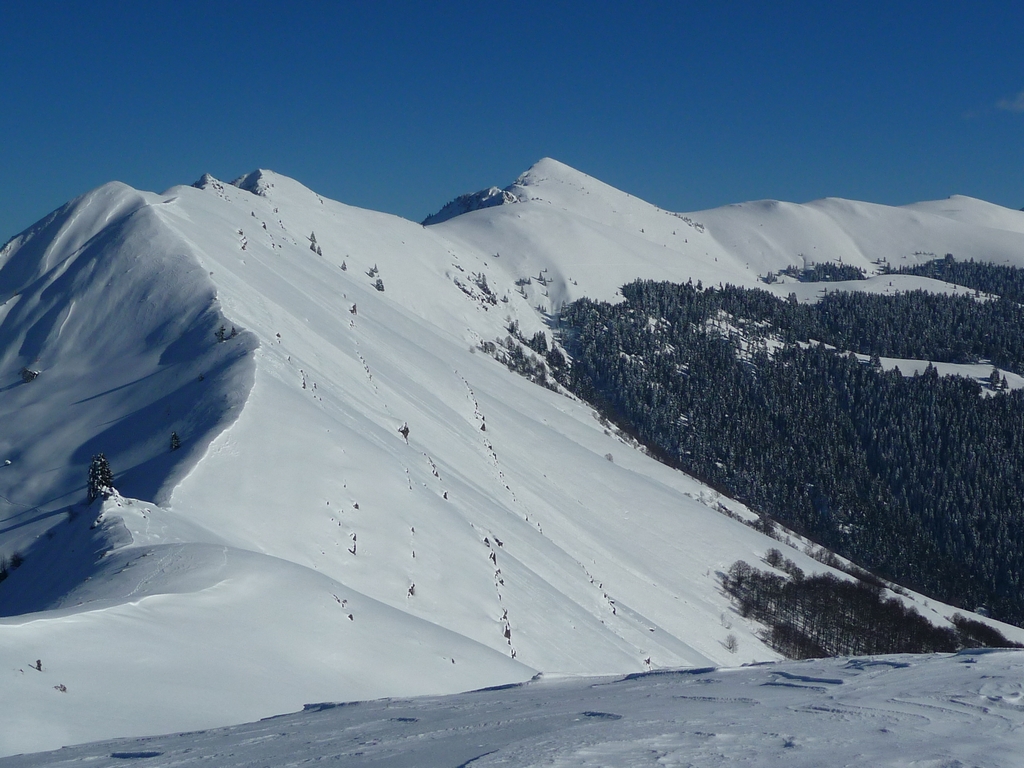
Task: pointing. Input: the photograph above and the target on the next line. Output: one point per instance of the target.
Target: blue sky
(401, 106)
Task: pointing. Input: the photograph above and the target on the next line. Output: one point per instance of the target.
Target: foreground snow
(960, 710)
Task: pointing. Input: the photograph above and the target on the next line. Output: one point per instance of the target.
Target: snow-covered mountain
(363, 503)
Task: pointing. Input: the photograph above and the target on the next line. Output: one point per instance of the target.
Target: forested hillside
(1002, 280)
(920, 478)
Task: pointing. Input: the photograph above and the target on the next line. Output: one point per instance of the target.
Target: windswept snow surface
(300, 545)
(963, 710)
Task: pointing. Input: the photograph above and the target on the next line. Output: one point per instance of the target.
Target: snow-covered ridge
(288, 341)
(590, 238)
(113, 313)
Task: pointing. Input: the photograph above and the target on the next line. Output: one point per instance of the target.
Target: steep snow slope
(111, 310)
(575, 585)
(508, 531)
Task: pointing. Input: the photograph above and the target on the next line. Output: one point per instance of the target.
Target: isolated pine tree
(175, 441)
(101, 478)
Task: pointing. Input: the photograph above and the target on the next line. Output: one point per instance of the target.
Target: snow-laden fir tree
(101, 478)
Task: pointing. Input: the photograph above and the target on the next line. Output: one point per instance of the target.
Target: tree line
(824, 615)
(996, 279)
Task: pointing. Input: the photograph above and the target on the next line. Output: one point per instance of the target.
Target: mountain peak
(567, 188)
(544, 171)
(205, 181)
(549, 168)
(474, 201)
(258, 182)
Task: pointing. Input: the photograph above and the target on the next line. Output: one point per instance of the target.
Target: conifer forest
(917, 478)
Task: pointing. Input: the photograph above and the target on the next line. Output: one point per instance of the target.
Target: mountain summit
(487, 198)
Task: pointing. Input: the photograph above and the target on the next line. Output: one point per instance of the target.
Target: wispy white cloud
(1016, 104)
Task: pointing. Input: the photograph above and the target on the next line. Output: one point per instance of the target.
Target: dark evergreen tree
(823, 273)
(101, 478)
